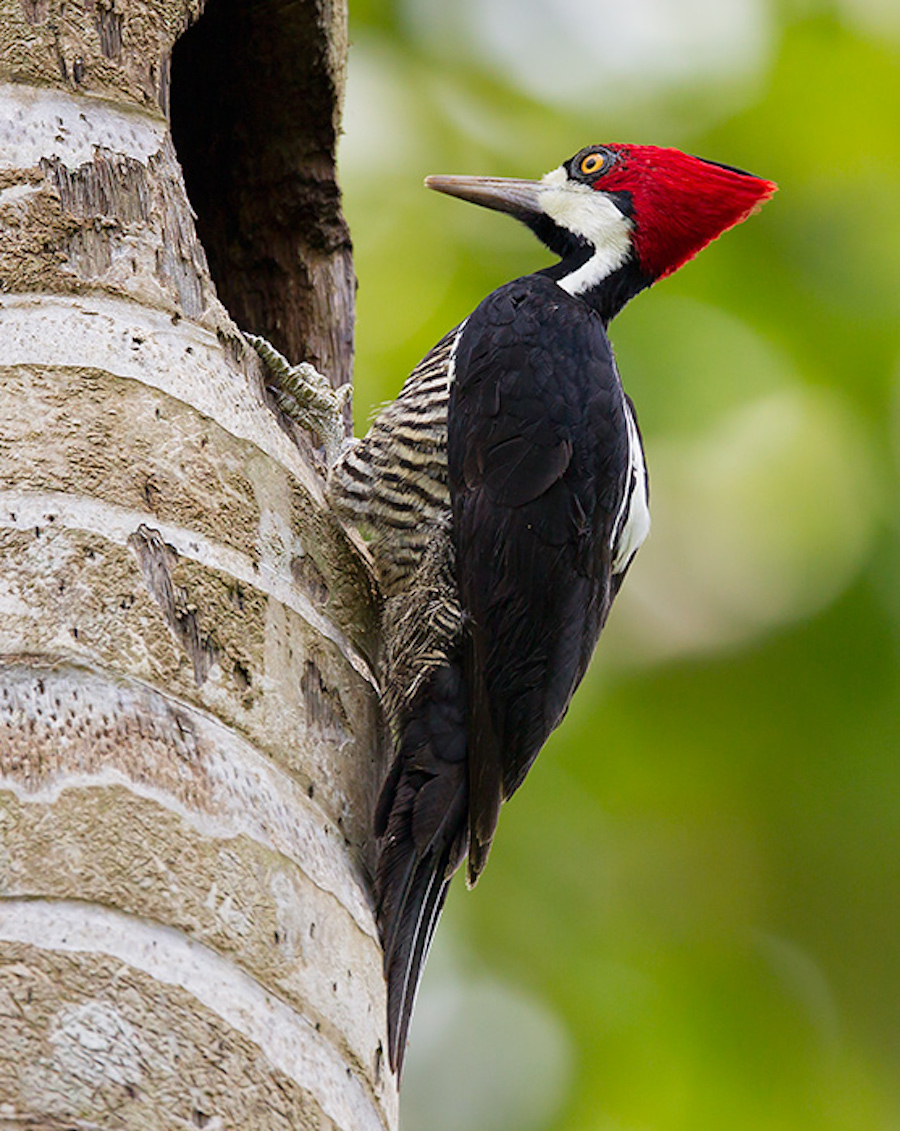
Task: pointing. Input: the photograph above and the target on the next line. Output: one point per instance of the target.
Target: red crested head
(620, 216)
(679, 203)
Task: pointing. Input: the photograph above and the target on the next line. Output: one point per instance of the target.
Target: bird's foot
(306, 396)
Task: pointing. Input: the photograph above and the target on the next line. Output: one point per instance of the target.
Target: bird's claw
(306, 396)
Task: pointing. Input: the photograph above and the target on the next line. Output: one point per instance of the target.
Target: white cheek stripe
(592, 216)
(627, 540)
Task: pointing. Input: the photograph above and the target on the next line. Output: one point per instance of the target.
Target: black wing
(538, 462)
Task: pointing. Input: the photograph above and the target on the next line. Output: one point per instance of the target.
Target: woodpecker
(506, 492)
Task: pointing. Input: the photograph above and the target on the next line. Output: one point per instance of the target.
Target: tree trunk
(188, 719)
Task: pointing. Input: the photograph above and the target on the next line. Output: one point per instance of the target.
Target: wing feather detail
(539, 465)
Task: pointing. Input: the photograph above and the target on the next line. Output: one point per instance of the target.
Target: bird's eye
(593, 163)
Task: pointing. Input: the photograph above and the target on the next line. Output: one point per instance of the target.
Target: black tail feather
(404, 969)
(422, 821)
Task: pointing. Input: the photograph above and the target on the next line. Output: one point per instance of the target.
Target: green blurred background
(691, 918)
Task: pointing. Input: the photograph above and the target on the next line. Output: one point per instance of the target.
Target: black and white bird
(506, 492)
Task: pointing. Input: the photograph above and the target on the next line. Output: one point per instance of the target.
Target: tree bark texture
(256, 96)
(188, 718)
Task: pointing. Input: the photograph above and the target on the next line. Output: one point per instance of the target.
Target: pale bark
(188, 719)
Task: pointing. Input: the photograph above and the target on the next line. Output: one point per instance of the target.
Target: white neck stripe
(593, 217)
(601, 265)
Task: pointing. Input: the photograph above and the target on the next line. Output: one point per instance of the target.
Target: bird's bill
(504, 194)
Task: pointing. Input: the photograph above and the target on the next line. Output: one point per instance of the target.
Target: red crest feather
(681, 203)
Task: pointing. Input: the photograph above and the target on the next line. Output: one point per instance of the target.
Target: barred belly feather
(394, 480)
(394, 483)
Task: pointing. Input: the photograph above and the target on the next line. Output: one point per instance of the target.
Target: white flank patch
(37, 123)
(628, 539)
(286, 1038)
(451, 361)
(592, 216)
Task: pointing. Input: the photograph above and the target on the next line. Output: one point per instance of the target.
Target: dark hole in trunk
(254, 121)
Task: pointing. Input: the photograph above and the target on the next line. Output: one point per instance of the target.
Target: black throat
(609, 295)
(612, 293)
